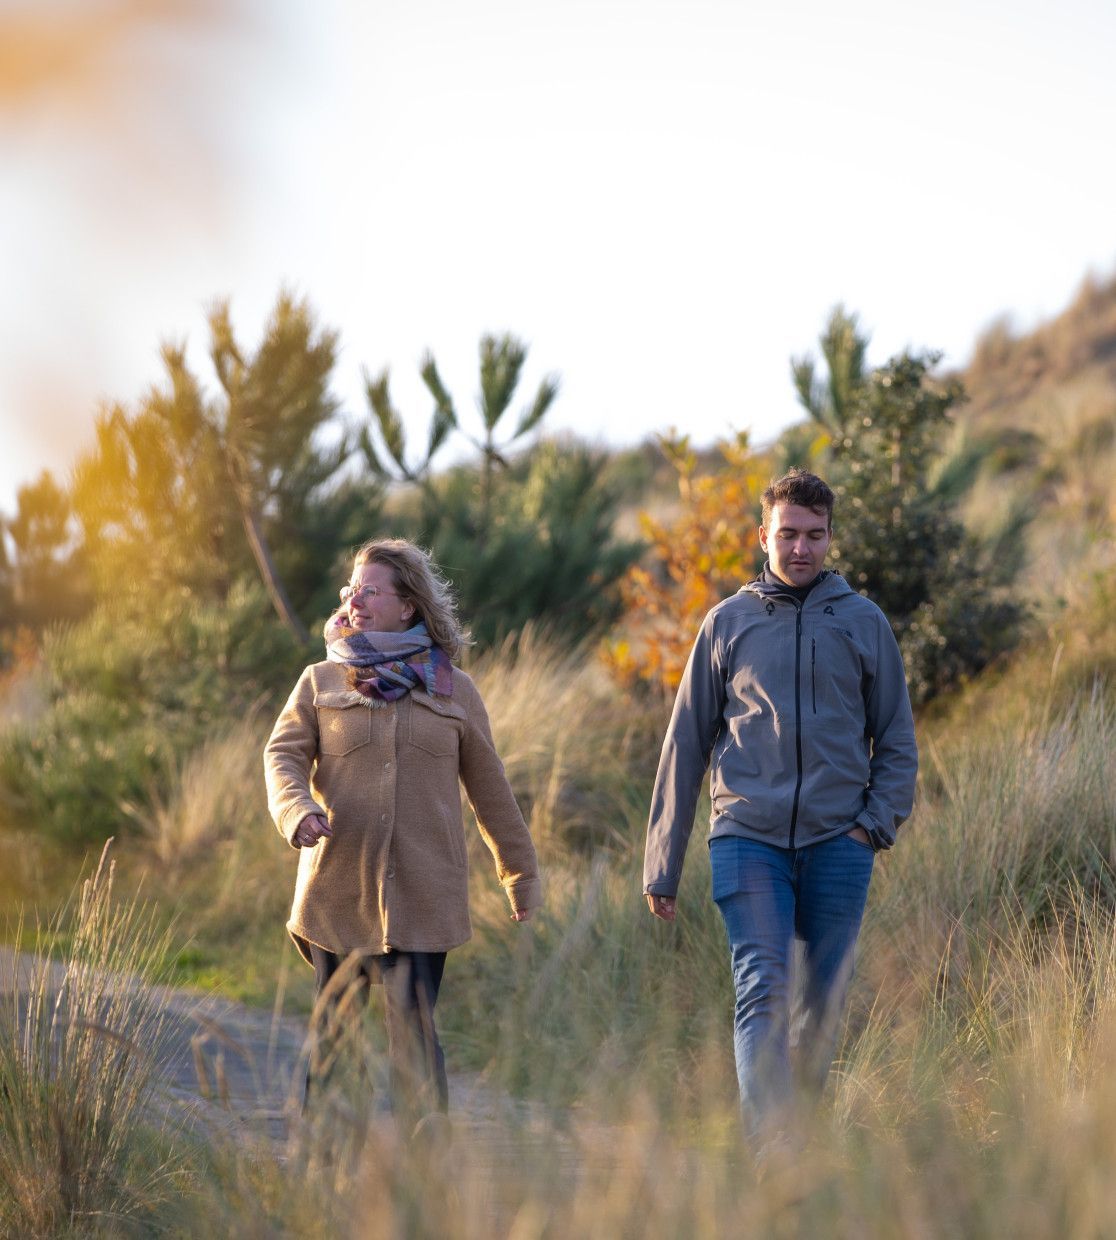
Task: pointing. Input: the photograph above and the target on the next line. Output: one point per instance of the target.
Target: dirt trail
(227, 1070)
(225, 1067)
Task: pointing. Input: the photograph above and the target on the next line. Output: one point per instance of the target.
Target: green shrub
(128, 696)
(896, 538)
(72, 773)
(539, 547)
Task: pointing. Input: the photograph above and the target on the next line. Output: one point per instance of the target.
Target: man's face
(796, 540)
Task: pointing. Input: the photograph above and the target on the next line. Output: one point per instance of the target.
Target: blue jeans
(768, 897)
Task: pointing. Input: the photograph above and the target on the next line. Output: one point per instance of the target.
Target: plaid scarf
(388, 665)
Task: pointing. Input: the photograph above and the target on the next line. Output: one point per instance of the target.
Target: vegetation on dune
(896, 537)
(541, 549)
(199, 517)
(693, 561)
(879, 438)
(1022, 373)
(973, 1092)
(255, 478)
(502, 359)
(526, 536)
(198, 491)
(127, 696)
(44, 567)
(1038, 442)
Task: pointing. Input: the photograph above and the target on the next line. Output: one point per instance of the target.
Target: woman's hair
(421, 583)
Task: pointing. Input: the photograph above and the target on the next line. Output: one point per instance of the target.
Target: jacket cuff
(525, 895)
(881, 837)
(292, 816)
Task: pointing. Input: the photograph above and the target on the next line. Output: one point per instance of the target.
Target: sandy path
(227, 1070)
(224, 1066)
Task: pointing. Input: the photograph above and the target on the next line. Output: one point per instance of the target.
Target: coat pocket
(434, 727)
(343, 729)
(453, 835)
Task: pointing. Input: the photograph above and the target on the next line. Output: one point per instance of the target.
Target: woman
(362, 777)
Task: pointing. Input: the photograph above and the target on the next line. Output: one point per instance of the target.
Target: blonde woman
(363, 770)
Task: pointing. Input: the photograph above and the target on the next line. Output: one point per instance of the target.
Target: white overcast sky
(665, 197)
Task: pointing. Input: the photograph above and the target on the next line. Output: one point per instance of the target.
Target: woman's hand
(523, 914)
(311, 829)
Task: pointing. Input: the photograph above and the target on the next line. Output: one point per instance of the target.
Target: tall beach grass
(80, 1034)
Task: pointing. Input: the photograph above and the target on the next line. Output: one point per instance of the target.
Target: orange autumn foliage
(699, 558)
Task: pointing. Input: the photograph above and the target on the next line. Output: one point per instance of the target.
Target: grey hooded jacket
(804, 712)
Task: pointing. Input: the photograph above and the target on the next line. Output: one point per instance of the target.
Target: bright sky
(665, 197)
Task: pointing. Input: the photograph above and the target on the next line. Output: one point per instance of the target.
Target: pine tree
(193, 489)
(895, 536)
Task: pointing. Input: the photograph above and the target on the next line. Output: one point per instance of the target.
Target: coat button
(383, 817)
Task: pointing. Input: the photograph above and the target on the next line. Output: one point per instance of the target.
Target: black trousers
(411, 981)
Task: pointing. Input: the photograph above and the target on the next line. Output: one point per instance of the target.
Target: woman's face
(381, 612)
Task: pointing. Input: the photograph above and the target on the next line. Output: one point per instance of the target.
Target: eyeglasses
(349, 593)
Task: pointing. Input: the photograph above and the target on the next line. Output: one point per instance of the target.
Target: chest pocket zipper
(813, 682)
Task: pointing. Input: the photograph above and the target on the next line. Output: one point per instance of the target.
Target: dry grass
(1023, 815)
(78, 1043)
(216, 797)
(980, 1108)
(210, 851)
(578, 751)
(1010, 370)
(1057, 383)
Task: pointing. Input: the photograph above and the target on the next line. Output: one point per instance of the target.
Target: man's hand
(522, 914)
(311, 829)
(665, 907)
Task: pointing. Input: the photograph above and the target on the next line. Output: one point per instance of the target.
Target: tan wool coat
(394, 874)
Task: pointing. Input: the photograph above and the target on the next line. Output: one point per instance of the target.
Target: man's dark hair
(803, 490)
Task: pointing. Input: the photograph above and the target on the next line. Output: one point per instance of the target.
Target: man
(795, 691)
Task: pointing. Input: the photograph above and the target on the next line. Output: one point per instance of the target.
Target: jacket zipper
(797, 716)
(813, 685)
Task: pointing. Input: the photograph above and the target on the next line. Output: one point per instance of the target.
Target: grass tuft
(78, 1042)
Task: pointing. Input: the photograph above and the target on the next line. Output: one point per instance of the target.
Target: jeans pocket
(865, 844)
(741, 864)
(724, 865)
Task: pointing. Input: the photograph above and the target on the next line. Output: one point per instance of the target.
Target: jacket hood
(832, 586)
